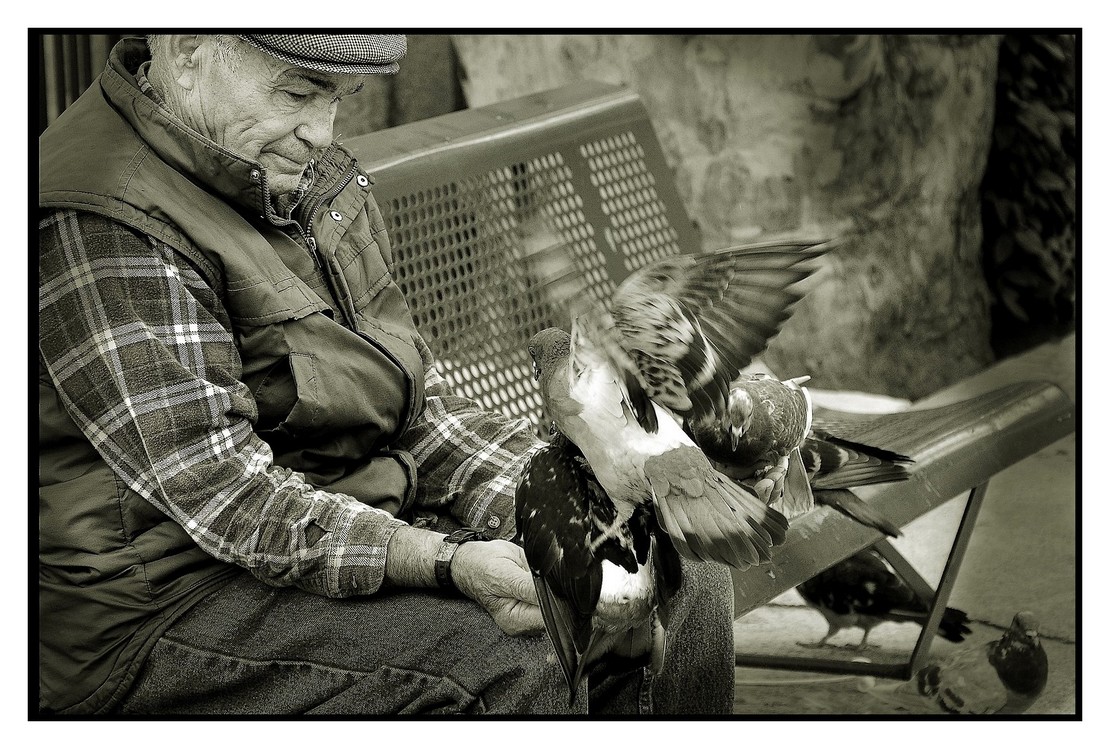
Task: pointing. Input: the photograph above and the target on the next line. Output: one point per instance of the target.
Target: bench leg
(947, 578)
(939, 599)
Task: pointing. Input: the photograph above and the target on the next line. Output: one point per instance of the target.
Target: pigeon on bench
(763, 436)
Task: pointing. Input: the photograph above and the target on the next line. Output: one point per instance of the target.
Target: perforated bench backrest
(470, 196)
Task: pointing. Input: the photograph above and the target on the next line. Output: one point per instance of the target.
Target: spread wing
(682, 328)
(707, 515)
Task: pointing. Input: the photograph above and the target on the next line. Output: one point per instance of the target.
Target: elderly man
(239, 423)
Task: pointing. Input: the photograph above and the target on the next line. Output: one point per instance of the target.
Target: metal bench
(471, 198)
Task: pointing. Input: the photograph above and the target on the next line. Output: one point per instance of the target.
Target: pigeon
(764, 437)
(620, 384)
(603, 585)
(1004, 676)
(755, 432)
(863, 591)
(708, 516)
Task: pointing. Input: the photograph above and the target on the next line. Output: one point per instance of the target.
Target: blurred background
(947, 161)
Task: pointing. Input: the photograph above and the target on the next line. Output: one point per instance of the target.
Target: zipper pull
(311, 242)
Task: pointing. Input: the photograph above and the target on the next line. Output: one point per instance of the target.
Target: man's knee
(707, 589)
(520, 675)
(698, 672)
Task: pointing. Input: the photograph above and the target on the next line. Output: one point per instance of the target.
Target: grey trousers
(250, 649)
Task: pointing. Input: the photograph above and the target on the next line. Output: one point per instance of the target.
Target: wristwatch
(447, 552)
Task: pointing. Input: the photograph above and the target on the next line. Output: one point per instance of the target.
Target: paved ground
(1021, 556)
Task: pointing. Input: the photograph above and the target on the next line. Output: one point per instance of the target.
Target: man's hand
(496, 575)
(493, 573)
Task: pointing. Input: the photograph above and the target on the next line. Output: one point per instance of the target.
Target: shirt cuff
(361, 553)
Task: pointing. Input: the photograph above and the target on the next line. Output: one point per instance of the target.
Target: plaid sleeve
(468, 459)
(139, 349)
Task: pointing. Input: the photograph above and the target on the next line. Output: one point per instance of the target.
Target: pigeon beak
(535, 371)
(734, 435)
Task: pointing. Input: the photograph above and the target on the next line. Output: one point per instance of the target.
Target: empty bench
(470, 199)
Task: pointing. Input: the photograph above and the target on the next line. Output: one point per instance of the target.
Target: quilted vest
(326, 342)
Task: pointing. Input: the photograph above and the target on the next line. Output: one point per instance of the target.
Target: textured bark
(879, 140)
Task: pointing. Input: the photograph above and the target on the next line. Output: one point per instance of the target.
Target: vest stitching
(132, 167)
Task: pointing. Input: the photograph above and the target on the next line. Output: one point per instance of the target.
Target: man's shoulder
(99, 234)
(85, 237)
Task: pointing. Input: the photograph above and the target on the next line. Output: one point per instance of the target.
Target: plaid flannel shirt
(140, 350)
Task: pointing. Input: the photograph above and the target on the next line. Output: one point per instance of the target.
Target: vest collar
(234, 177)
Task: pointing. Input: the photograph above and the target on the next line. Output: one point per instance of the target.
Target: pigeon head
(547, 348)
(1024, 627)
(738, 413)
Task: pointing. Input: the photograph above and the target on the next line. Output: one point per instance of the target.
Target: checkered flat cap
(362, 54)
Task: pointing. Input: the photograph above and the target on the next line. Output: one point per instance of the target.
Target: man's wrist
(446, 554)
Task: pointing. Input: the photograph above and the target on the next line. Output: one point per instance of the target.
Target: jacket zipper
(309, 241)
(338, 283)
(410, 400)
(323, 198)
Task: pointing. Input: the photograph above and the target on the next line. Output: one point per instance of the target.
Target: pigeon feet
(772, 481)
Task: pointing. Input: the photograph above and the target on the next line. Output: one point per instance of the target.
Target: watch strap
(446, 553)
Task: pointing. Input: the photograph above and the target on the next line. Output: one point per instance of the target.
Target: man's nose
(316, 128)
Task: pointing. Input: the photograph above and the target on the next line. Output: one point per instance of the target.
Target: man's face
(264, 109)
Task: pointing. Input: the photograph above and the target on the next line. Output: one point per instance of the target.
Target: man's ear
(182, 55)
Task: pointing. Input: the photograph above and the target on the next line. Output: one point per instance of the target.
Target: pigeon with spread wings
(674, 336)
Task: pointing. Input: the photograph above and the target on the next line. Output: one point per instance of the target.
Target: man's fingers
(524, 618)
(523, 588)
(517, 582)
